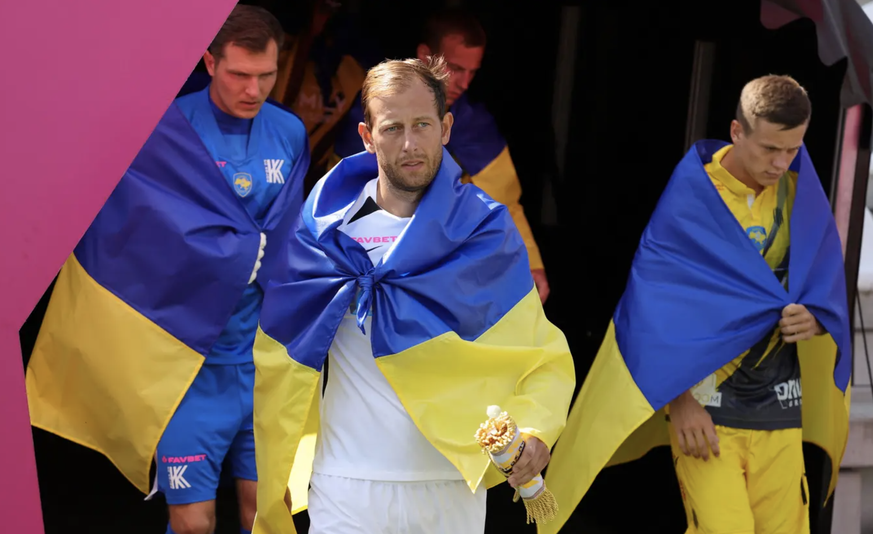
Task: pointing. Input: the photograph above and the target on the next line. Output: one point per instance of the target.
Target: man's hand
(798, 324)
(542, 283)
(693, 426)
(533, 460)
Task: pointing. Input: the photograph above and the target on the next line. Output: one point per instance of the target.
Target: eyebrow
(455, 66)
(392, 122)
(778, 148)
(232, 71)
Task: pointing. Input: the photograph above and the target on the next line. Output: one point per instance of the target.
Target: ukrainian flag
(457, 326)
(145, 294)
(699, 294)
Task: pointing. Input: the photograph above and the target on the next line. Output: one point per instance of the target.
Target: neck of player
(733, 166)
(396, 201)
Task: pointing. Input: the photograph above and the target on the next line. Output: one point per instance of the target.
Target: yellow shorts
(756, 486)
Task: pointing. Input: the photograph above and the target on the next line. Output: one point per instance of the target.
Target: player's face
(407, 137)
(242, 79)
(463, 63)
(766, 152)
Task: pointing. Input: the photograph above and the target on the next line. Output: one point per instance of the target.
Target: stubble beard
(411, 186)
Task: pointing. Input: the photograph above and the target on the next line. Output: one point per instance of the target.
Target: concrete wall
(854, 501)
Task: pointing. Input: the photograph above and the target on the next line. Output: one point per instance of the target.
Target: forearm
(681, 400)
(685, 397)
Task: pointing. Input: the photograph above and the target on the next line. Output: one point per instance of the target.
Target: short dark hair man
(158, 307)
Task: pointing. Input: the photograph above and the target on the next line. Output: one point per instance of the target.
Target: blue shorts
(212, 426)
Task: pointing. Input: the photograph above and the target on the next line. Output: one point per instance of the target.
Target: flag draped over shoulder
(144, 296)
(698, 295)
(457, 326)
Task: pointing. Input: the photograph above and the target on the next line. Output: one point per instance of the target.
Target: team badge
(758, 235)
(242, 183)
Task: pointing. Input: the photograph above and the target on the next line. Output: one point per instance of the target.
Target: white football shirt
(365, 431)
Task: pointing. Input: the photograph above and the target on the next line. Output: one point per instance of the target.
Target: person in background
(476, 144)
(321, 67)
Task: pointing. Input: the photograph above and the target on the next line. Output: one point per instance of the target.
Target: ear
(736, 131)
(209, 60)
(422, 52)
(366, 137)
(448, 121)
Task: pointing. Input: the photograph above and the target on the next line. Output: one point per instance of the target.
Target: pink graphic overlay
(85, 83)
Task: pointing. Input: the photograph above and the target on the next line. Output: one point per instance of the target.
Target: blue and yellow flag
(145, 295)
(457, 326)
(698, 295)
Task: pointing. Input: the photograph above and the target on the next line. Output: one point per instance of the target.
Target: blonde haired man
(749, 411)
(728, 297)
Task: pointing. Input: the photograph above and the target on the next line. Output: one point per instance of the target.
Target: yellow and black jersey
(760, 389)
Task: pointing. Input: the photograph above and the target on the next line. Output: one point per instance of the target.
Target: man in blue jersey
(255, 146)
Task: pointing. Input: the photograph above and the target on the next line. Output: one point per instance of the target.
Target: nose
(410, 141)
(252, 88)
(782, 162)
(463, 80)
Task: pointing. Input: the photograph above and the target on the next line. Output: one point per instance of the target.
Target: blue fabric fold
(700, 294)
(459, 266)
